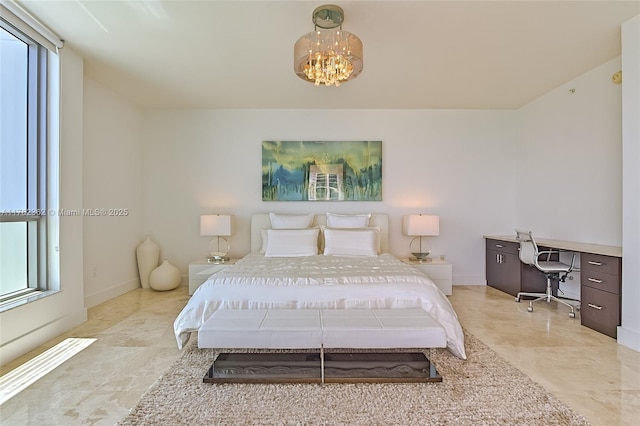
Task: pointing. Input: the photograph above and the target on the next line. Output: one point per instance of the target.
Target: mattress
(319, 282)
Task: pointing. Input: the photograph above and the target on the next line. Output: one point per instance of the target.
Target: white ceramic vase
(165, 277)
(148, 256)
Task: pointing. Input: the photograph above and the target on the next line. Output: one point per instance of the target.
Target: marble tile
(585, 369)
(588, 371)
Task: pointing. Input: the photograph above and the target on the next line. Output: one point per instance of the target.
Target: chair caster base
(530, 309)
(572, 315)
(517, 299)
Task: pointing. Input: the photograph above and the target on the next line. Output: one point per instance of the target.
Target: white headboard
(260, 221)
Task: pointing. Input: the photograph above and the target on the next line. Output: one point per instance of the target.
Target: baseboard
(629, 338)
(110, 293)
(35, 338)
(468, 280)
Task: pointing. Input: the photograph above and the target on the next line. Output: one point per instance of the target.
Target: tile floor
(587, 370)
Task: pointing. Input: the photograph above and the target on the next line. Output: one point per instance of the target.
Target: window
(24, 143)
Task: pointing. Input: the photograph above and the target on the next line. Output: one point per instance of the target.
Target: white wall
(570, 160)
(28, 326)
(112, 183)
(457, 164)
(629, 332)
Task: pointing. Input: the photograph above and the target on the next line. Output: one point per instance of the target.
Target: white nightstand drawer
(200, 270)
(440, 272)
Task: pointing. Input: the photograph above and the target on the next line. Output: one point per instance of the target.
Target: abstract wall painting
(322, 170)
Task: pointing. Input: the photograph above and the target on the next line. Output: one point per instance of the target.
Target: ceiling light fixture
(328, 55)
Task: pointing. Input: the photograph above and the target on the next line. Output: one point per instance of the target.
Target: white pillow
(292, 242)
(290, 221)
(351, 242)
(264, 236)
(348, 220)
(375, 229)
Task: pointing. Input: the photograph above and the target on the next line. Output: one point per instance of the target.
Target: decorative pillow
(291, 242)
(351, 242)
(264, 236)
(290, 221)
(348, 220)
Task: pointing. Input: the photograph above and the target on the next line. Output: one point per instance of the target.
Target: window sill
(23, 300)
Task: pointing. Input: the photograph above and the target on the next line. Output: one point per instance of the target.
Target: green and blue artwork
(322, 170)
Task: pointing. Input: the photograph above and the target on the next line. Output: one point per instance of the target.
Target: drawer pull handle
(499, 245)
(594, 280)
(591, 305)
(591, 262)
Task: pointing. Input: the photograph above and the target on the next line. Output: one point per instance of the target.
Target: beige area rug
(483, 390)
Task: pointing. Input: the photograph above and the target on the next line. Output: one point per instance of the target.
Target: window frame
(37, 142)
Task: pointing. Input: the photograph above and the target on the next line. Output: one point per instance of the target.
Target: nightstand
(200, 270)
(439, 271)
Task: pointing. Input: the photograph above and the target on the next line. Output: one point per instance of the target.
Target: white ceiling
(417, 54)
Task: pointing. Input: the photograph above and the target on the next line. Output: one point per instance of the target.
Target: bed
(284, 270)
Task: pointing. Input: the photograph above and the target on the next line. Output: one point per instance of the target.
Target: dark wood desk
(600, 276)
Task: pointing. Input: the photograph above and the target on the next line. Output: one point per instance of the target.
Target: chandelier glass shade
(328, 55)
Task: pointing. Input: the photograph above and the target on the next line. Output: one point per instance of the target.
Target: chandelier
(328, 55)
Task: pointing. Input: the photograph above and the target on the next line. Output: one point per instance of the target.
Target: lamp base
(217, 258)
(216, 254)
(421, 257)
(420, 250)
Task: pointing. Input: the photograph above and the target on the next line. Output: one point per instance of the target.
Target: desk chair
(530, 255)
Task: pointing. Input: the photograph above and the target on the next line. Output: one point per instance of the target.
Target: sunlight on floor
(17, 380)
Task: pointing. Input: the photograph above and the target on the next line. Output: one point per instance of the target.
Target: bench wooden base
(307, 367)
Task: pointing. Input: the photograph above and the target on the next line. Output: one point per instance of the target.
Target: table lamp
(216, 225)
(418, 226)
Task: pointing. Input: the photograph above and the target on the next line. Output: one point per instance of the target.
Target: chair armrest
(548, 253)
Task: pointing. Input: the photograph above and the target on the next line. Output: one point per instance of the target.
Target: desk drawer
(600, 281)
(503, 246)
(597, 262)
(600, 310)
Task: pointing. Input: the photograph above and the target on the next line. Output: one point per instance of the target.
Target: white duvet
(259, 282)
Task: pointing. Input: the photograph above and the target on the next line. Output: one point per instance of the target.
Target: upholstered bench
(321, 329)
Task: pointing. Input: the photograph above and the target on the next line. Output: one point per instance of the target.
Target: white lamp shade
(415, 225)
(215, 225)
